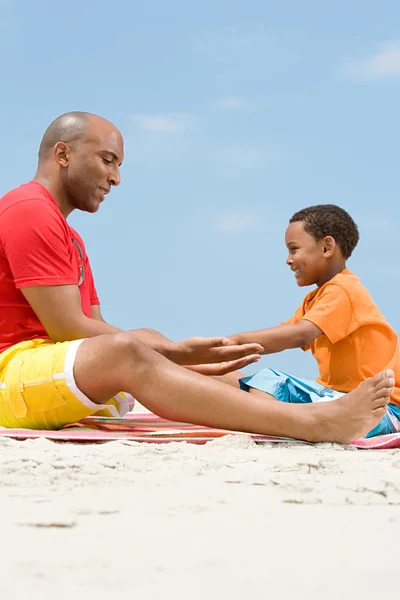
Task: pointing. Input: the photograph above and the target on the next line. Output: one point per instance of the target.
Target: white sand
(226, 520)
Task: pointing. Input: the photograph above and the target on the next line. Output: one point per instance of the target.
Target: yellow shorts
(38, 389)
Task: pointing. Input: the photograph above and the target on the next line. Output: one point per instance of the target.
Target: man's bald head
(70, 128)
(79, 159)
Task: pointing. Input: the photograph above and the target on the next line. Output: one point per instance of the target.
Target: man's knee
(124, 345)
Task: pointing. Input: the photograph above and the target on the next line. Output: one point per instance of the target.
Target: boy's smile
(306, 256)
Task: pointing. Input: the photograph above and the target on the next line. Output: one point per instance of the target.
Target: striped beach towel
(150, 428)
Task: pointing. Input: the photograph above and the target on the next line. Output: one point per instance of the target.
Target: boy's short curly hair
(322, 220)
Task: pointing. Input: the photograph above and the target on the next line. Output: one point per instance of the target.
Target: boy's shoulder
(350, 283)
(346, 283)
(346, 280)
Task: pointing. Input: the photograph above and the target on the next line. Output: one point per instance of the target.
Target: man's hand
(207, 351)
(224, 367)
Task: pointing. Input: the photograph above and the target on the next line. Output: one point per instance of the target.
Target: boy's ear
(328, 246)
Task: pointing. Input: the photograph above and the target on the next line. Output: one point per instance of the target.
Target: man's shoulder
(77, 238)
(31, 191)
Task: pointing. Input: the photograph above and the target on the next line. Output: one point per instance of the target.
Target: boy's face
(306, 255)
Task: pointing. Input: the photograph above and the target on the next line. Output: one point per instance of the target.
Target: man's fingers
(224, 367)
(227, 353)
(210, 342)
(235, 365)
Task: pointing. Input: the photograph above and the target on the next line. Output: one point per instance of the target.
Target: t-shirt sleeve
(35, 242)
(94, 299)
(295, 319)
(332, 313)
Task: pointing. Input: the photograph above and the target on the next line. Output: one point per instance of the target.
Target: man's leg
(104, 365)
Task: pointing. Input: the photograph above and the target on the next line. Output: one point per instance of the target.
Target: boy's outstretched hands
(217, 356)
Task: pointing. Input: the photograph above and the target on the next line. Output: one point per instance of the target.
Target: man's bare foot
(355, 414)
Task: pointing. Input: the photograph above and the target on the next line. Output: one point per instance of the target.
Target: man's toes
(380, 412)
(380, 401)
(385, 383)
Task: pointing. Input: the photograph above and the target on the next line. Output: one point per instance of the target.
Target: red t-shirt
(37, 247)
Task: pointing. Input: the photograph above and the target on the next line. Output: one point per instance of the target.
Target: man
(60, 361)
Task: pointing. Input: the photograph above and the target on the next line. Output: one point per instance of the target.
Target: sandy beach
(229, 519)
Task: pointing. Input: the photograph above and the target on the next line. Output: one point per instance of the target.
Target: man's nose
(114, 178)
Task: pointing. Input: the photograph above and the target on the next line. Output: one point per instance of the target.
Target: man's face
(93, 166)
(306, 255)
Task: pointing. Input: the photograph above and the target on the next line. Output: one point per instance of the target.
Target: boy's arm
(282, 337)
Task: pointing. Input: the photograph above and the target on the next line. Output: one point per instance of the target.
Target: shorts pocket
(34, 389)
(39, 397)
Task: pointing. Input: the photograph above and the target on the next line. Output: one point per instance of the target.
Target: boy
(338, 321)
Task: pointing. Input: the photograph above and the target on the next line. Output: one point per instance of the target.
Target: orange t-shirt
(357, 342)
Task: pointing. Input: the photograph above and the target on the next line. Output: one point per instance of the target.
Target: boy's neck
(331, 272)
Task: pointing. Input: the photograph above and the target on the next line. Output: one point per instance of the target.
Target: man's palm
(202, 351)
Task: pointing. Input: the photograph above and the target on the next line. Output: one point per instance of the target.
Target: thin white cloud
(237, 222)
(230, 103)
(242, 157)
(385, 63)
(239, 156)
(165, 123)
(225, 41)
(251, 46)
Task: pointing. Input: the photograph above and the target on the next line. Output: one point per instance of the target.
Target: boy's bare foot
(355, 414)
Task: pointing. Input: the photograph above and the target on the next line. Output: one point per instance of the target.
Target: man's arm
(282, 337)
(96, 313)
(156, 340)
(59, 310)
(34, 240)
(147, 336)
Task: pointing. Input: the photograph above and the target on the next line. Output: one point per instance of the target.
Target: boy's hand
(207, 351)
(238, 339)
(233, 340)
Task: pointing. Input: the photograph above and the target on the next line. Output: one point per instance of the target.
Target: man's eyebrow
(115, 156)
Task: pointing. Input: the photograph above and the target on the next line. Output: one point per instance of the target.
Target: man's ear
(61, 153)
(328, 246)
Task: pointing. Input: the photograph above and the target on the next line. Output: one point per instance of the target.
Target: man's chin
(93, 207)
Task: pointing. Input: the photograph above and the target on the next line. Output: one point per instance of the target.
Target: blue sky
(235, 115)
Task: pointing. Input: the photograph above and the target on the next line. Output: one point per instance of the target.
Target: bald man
(60, 361)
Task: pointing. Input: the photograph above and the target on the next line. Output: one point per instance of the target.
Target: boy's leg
(233, 379)
(107, 364)
(230, 378)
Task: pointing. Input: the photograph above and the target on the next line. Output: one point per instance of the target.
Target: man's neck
(55, 190)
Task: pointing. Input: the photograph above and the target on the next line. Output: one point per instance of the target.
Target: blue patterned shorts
(288, 388)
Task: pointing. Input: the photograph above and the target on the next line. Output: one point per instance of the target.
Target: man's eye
(107, 161)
